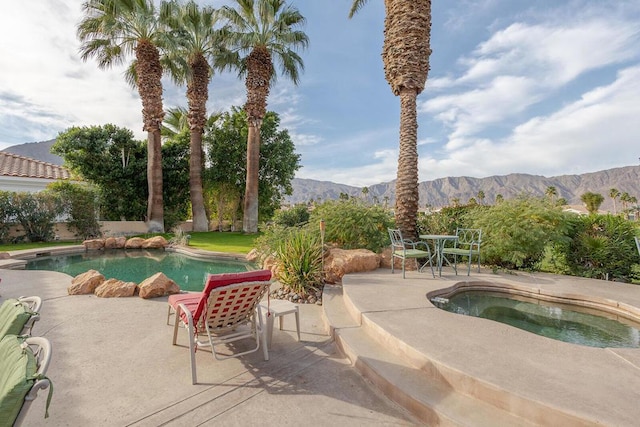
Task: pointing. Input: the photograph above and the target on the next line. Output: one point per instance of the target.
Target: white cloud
(598, 131)
(383, 169)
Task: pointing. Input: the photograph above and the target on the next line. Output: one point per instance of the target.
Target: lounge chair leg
(192, 353)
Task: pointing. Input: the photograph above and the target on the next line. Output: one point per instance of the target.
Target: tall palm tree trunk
(406, 52)
(149, 74)
(197, 94)
(259, 72)
(250, 218)
(407, 195)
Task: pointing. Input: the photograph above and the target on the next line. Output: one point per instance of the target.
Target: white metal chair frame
(33, 304)
(403, 249)
(41, 348)
(467, 244)
(228, 307)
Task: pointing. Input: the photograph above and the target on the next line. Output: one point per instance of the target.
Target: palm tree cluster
(189, 43)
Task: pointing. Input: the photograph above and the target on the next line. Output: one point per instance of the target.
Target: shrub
(447, 220)
(298, 253)
(37, 213)
(7, 213)
(300, 261)
(297, 215)
(601, 246)
(516, 231)
(81, 204)
(351, 224)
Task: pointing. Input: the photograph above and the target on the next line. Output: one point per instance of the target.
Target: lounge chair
(23, 365)
(226, 311)
(18, 315)
(407, 249)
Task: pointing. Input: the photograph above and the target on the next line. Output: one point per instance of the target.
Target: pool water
(562, 322)
(137, 265)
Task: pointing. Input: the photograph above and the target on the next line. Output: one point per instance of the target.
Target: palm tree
(261, 31)
(112, 30)
(592, 201)
(175, 122)
(551, 192)
(197, 42)
(614, 194)
(405, 54)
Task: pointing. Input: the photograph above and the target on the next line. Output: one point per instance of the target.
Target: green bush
(447, 220)
(7, 213)
(297, 215)
(298, 253)
(352, 224)
(37, 213)
(601, 246)
(300, 261)
(81, 204)
(516, 231)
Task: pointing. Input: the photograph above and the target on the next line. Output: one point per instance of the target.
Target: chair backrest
(396, 239)
(218, 280)
(469, 237)
(231, 305)
(23, 365)
(17, 316)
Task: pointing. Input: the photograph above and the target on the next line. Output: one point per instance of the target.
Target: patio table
(438, 244)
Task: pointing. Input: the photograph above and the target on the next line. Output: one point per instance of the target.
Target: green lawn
(223, 242)
(208, 241)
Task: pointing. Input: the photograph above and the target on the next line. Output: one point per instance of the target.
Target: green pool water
(558, 321)
(137, 265)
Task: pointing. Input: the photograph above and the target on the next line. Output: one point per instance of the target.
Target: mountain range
(442, 191)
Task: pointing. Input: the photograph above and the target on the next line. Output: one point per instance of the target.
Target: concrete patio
(114, 365)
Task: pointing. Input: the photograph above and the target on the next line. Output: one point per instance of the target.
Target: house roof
(20, 166)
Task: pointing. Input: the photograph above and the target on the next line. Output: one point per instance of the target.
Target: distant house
(24, 174)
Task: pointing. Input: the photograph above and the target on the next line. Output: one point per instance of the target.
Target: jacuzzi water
(562, 322)
(137, 265)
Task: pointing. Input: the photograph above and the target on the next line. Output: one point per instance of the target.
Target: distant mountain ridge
(442, 191)
(36, 150)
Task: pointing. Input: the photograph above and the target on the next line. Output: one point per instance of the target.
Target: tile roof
(20, 166)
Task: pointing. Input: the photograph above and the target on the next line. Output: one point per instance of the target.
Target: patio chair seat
(17, 316)
(23, 363)
(407, 249)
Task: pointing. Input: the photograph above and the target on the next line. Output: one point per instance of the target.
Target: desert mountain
(443, 191)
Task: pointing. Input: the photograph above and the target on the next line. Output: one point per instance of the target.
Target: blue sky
(549, 87)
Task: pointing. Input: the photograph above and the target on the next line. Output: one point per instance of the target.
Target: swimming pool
(569, 323)
(137, 265)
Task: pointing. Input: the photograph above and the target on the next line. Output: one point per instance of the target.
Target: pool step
(428, 398)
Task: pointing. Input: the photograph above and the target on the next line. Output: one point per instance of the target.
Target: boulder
(85, 283)
(158, 285)
(253, 256)
(121, 241)
(93, 244)
(110, 243)
(339, 262)
(134, 243)
(5, 255)
(114, 288)
(157, 242)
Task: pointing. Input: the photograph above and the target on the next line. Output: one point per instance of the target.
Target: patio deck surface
(113, 363)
